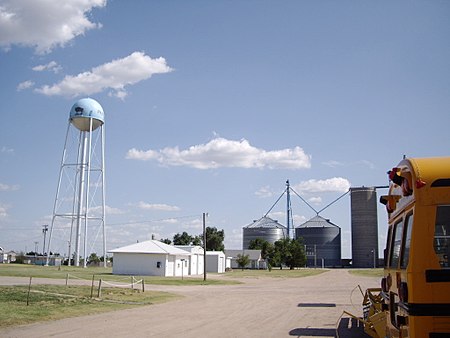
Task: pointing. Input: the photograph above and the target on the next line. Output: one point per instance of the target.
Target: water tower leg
(80, 198)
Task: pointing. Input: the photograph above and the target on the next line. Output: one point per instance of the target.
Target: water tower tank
(322, 240)
(264, 228)
(83, 111)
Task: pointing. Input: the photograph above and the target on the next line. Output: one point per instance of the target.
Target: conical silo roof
(265, 222)
(318, 222)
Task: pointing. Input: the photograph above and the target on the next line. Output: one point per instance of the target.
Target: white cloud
(108, 210)
(44, 24)
(368, 164)
(335, 184)
(6, 187)
(162, 207)
(315, 200)
(196, 224)
(221, 152)
(333, 164)
(6, 150)
(4, 210)
(25, 85)
(51, 66)
(264, 192)
(114, 75)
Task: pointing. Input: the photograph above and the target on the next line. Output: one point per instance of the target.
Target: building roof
(265, 222)
(215, 253)
(193, 249)
(151, 247)
(318, 222)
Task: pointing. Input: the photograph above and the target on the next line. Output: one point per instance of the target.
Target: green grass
(25, 270)
(367, 272)
(275, 273)
(51, 302)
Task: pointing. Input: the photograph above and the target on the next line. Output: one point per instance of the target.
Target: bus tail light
(403, 292)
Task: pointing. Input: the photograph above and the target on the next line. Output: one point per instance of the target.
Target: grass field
(50, 302)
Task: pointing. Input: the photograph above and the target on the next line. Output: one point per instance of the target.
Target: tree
(93, 258)
(289, 252)
(297, 257)
(183, 239)
(197, 240)
(263, 245)
(214, 239)
(166, 241)
(281, 252)
(242, 261)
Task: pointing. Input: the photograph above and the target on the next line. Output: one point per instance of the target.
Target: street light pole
(182, 268)
(44, 231)
(204, 246)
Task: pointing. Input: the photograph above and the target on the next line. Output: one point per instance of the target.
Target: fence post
(29, 290)
(143, 287)
(92, 286)
(99, 294)
(67, 279)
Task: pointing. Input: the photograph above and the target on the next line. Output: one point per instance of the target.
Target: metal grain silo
(364, 227)
(264, 228)
(322, 240)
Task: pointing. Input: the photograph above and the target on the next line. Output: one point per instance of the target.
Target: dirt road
(265, 307)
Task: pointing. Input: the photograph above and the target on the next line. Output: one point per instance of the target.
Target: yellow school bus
(415, 289)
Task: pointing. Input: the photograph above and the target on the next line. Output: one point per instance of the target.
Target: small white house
(215, 261)
(255, 260)
(195, 265)
(7, 257)
(150, 258)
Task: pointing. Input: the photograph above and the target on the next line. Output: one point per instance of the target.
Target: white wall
(140, 264)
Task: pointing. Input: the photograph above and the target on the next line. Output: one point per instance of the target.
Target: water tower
(79, 209)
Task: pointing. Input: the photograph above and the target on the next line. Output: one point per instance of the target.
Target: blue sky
(211, 105)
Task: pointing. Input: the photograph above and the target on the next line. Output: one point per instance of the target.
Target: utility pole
(204, 246)
(288, 209)
(44, 231)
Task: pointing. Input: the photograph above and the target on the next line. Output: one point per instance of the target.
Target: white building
(150, 258)
(215, 261)
(195, 264)
(255, 259)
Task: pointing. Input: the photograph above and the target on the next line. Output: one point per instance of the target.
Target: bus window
(395, 245)
(406, 241)
(442, 235)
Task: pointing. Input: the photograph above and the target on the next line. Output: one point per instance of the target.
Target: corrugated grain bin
(264, 228)
(322, 240)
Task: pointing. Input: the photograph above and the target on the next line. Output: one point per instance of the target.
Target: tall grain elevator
(364, 223)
